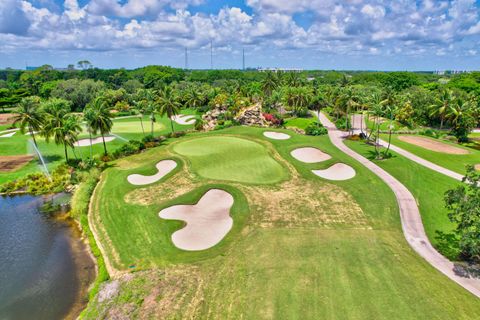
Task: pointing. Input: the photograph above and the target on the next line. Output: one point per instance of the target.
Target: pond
(45, 268)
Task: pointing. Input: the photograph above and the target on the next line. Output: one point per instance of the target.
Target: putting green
(232, 159)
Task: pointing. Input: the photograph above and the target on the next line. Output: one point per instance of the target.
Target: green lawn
(231, 158)
(304, 248)
(428, 188)
(454, 162)
(128, 128)
(301, 123)
(385, 124)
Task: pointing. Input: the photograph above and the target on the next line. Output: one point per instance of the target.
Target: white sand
(184, 119)
(309, 155)
(276, 135)
(339, 171)
(8, 135)
(86, 142)
(207, 222)
(163, 167)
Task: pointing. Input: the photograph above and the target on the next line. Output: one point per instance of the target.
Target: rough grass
(304, 248)
(454, 162)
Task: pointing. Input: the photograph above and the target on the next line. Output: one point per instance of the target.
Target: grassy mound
(232, 159)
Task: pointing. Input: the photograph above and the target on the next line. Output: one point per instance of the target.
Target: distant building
(30, 68)
(280, 69)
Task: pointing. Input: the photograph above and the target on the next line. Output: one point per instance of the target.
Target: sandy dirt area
(7, 118)
(207, 222)
(184, 119)
(163, 167)
(12, 163)
(309, 155)
(339, 171)
(276, 135)
(477, 167)
(86, 142)
(433, 145)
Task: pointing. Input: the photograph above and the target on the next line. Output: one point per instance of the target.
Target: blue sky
(310, 34)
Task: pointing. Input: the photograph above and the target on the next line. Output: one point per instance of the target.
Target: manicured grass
(304, 248)
(454, 162)
(428, 187)
(231, 158)
(128, 128)
(385, 124)
(300, 123)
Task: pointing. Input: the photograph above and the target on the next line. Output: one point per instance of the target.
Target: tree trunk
(151, 118)
(91, 146)
(66, 153)
(104, 145)
(377, 147)
(33, 136)
(171, 124)
(441, 122)
(141, 123)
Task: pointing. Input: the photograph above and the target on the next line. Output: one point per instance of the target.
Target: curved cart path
(410, 216)
(359, 119)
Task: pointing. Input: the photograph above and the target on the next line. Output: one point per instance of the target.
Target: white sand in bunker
(163, 167)
(433, 145)
(276, 135)
(86, 142)
(339, 171)
(207, 222)
(8, 135)
(184, 119)
(309, 155)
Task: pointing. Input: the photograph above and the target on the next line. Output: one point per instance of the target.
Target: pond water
(45, 268)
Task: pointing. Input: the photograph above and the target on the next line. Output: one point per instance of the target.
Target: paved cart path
(410, 216)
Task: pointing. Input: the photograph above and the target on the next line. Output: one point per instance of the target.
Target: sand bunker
(8, 135)
(477, 167)
(433, 145)
(276, 135)
(86, 142)
(339, 171)
(163, 167)
(309, 155)
(184, 119)
(13, 163)
(207, 222)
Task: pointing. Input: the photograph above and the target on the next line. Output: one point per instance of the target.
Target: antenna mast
(211, 55)
(243, 59)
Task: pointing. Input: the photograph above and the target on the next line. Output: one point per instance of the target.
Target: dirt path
(410, 216)
(409, 155)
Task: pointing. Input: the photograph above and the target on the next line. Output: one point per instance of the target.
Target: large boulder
(210, 118)
(252, 116)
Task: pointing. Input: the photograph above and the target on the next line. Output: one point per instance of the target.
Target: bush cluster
(315, 129)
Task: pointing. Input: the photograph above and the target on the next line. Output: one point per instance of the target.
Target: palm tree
(101, 120)
(376, 109)
(293, 79)
(269, 83)
(88, 115)
(146, 98)
(30, 116)
(168, 104)
(60, 125)
(71, 128)
(194, 98)
(442, 105)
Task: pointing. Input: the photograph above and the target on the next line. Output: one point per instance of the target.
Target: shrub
(341, 123)
(315, 129)
(273, 119)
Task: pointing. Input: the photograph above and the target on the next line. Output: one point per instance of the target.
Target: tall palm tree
(442, 105)
(30, 116)
(376, 109)
(101, 120)
(146, 98)
(269, 83)
(168, 104)
(88, 115)
(60, 125)
(194, 97)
